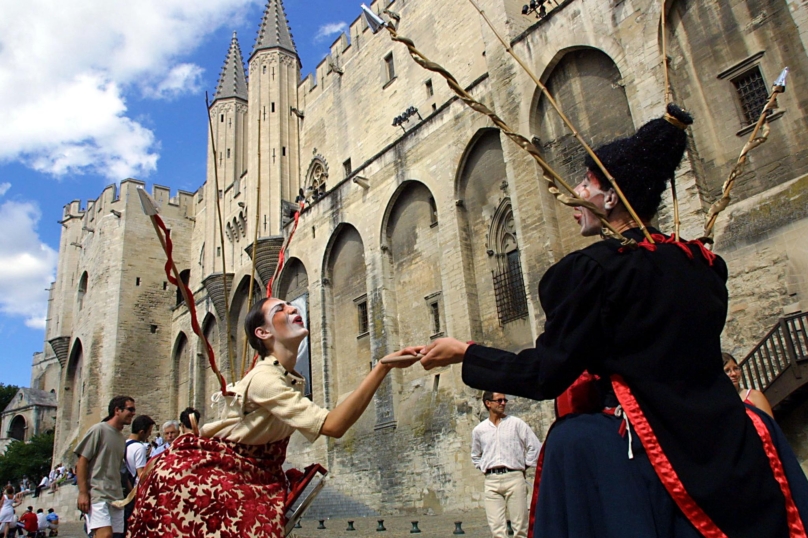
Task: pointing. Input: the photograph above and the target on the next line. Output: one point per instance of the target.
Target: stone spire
(232, 82)
(274, 31)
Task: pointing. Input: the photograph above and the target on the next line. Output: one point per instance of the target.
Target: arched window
(82, 291)
(185, 277)
(509, 286)
(317, 177)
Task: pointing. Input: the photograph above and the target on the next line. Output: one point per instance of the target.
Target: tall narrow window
(363, 325)
(221, 118)
(434, 311)
(346, 166)
(390, 67)
(272, 107)
(509, 285)
(430, 91)
(752, 94)
(82, 289)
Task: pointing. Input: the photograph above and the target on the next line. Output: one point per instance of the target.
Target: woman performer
(228, 482)
(749, 396)
(671, 450)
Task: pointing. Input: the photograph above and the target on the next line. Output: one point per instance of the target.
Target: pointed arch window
(82, 291)
(317, 177)
(509, 284)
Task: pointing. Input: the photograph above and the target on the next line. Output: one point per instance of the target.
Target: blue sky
(95, 92)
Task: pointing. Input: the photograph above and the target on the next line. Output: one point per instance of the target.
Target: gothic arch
(74, 386)
(348, 309)
(82, 289)
(206, 381)
(316, 177)
(182, 385)
(293, 281)
(483, 189)
(589, 85)
(412, 265)
(239, 307)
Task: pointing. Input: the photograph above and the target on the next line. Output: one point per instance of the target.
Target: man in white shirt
(502, 447)
(135, 457)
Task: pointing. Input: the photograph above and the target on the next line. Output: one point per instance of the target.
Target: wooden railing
(782, 349)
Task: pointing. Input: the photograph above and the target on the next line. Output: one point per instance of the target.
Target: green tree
(31, 459)
(7, 392)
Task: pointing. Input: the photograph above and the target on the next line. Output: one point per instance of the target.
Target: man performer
(670, 450)
(502, 447)
(100, 454)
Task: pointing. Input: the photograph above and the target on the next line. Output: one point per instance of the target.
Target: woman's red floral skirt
(212, 488)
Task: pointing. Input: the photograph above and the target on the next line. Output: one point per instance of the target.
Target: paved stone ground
(474, 526)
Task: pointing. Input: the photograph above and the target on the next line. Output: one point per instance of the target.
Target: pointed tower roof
(274, 31)
(232, 82)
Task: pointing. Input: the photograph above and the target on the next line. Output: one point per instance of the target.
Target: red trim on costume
(531, 521)
(661, 463)
(684, 245)
(795, 525)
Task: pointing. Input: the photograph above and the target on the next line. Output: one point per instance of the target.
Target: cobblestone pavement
(473, 524)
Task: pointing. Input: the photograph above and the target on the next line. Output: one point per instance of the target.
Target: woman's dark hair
(727, 357)
(255, 318)
(185, 417)
(643, 163)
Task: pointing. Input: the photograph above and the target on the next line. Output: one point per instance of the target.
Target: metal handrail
(782, 348)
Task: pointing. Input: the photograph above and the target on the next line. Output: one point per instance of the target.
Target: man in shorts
(99, 469)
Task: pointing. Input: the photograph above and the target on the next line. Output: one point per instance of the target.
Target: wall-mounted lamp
(241, 204)
(403, 118)
(87, 229)
(361, 181)
(116, 213)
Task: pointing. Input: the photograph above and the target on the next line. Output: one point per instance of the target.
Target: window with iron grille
(752, 94)
(509, 290)
(362, 317)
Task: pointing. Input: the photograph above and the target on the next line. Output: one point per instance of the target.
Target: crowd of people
(31, 524)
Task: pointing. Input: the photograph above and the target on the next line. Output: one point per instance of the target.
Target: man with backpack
(135, 457)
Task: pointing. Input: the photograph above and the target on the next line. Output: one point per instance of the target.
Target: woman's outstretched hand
(443, 352)
(412, 351)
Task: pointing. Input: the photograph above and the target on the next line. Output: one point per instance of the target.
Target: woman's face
(284, 323)
(732, 369)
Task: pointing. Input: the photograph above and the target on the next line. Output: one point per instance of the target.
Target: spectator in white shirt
(135, 457)
(503, 447)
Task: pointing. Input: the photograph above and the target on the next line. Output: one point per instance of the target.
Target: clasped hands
(441, 352)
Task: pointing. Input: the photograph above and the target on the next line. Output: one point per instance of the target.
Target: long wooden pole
(230, 358)
(255, 242)
(567, 122)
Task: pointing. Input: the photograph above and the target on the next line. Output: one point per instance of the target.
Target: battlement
(342, 50)
(114, 199)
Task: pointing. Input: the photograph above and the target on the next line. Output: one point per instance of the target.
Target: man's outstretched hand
(443, 352)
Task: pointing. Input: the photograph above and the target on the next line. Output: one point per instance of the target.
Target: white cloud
(4, 187)
(183, 78)
(27, 265)
(69, 68)
(330, 29)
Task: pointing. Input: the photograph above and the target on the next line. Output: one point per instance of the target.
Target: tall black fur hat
(643, 164)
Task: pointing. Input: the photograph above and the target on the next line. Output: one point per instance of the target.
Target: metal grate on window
(362, 311)
(509, 290)
(752, 94)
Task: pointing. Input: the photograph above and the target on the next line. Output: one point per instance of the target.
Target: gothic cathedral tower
(274, 76)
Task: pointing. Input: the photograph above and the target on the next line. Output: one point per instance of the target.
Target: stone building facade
(436, 226)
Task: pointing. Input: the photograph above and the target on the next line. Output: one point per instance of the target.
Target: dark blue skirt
(590, 488)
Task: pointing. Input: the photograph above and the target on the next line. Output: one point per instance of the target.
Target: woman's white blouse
(268, 405)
